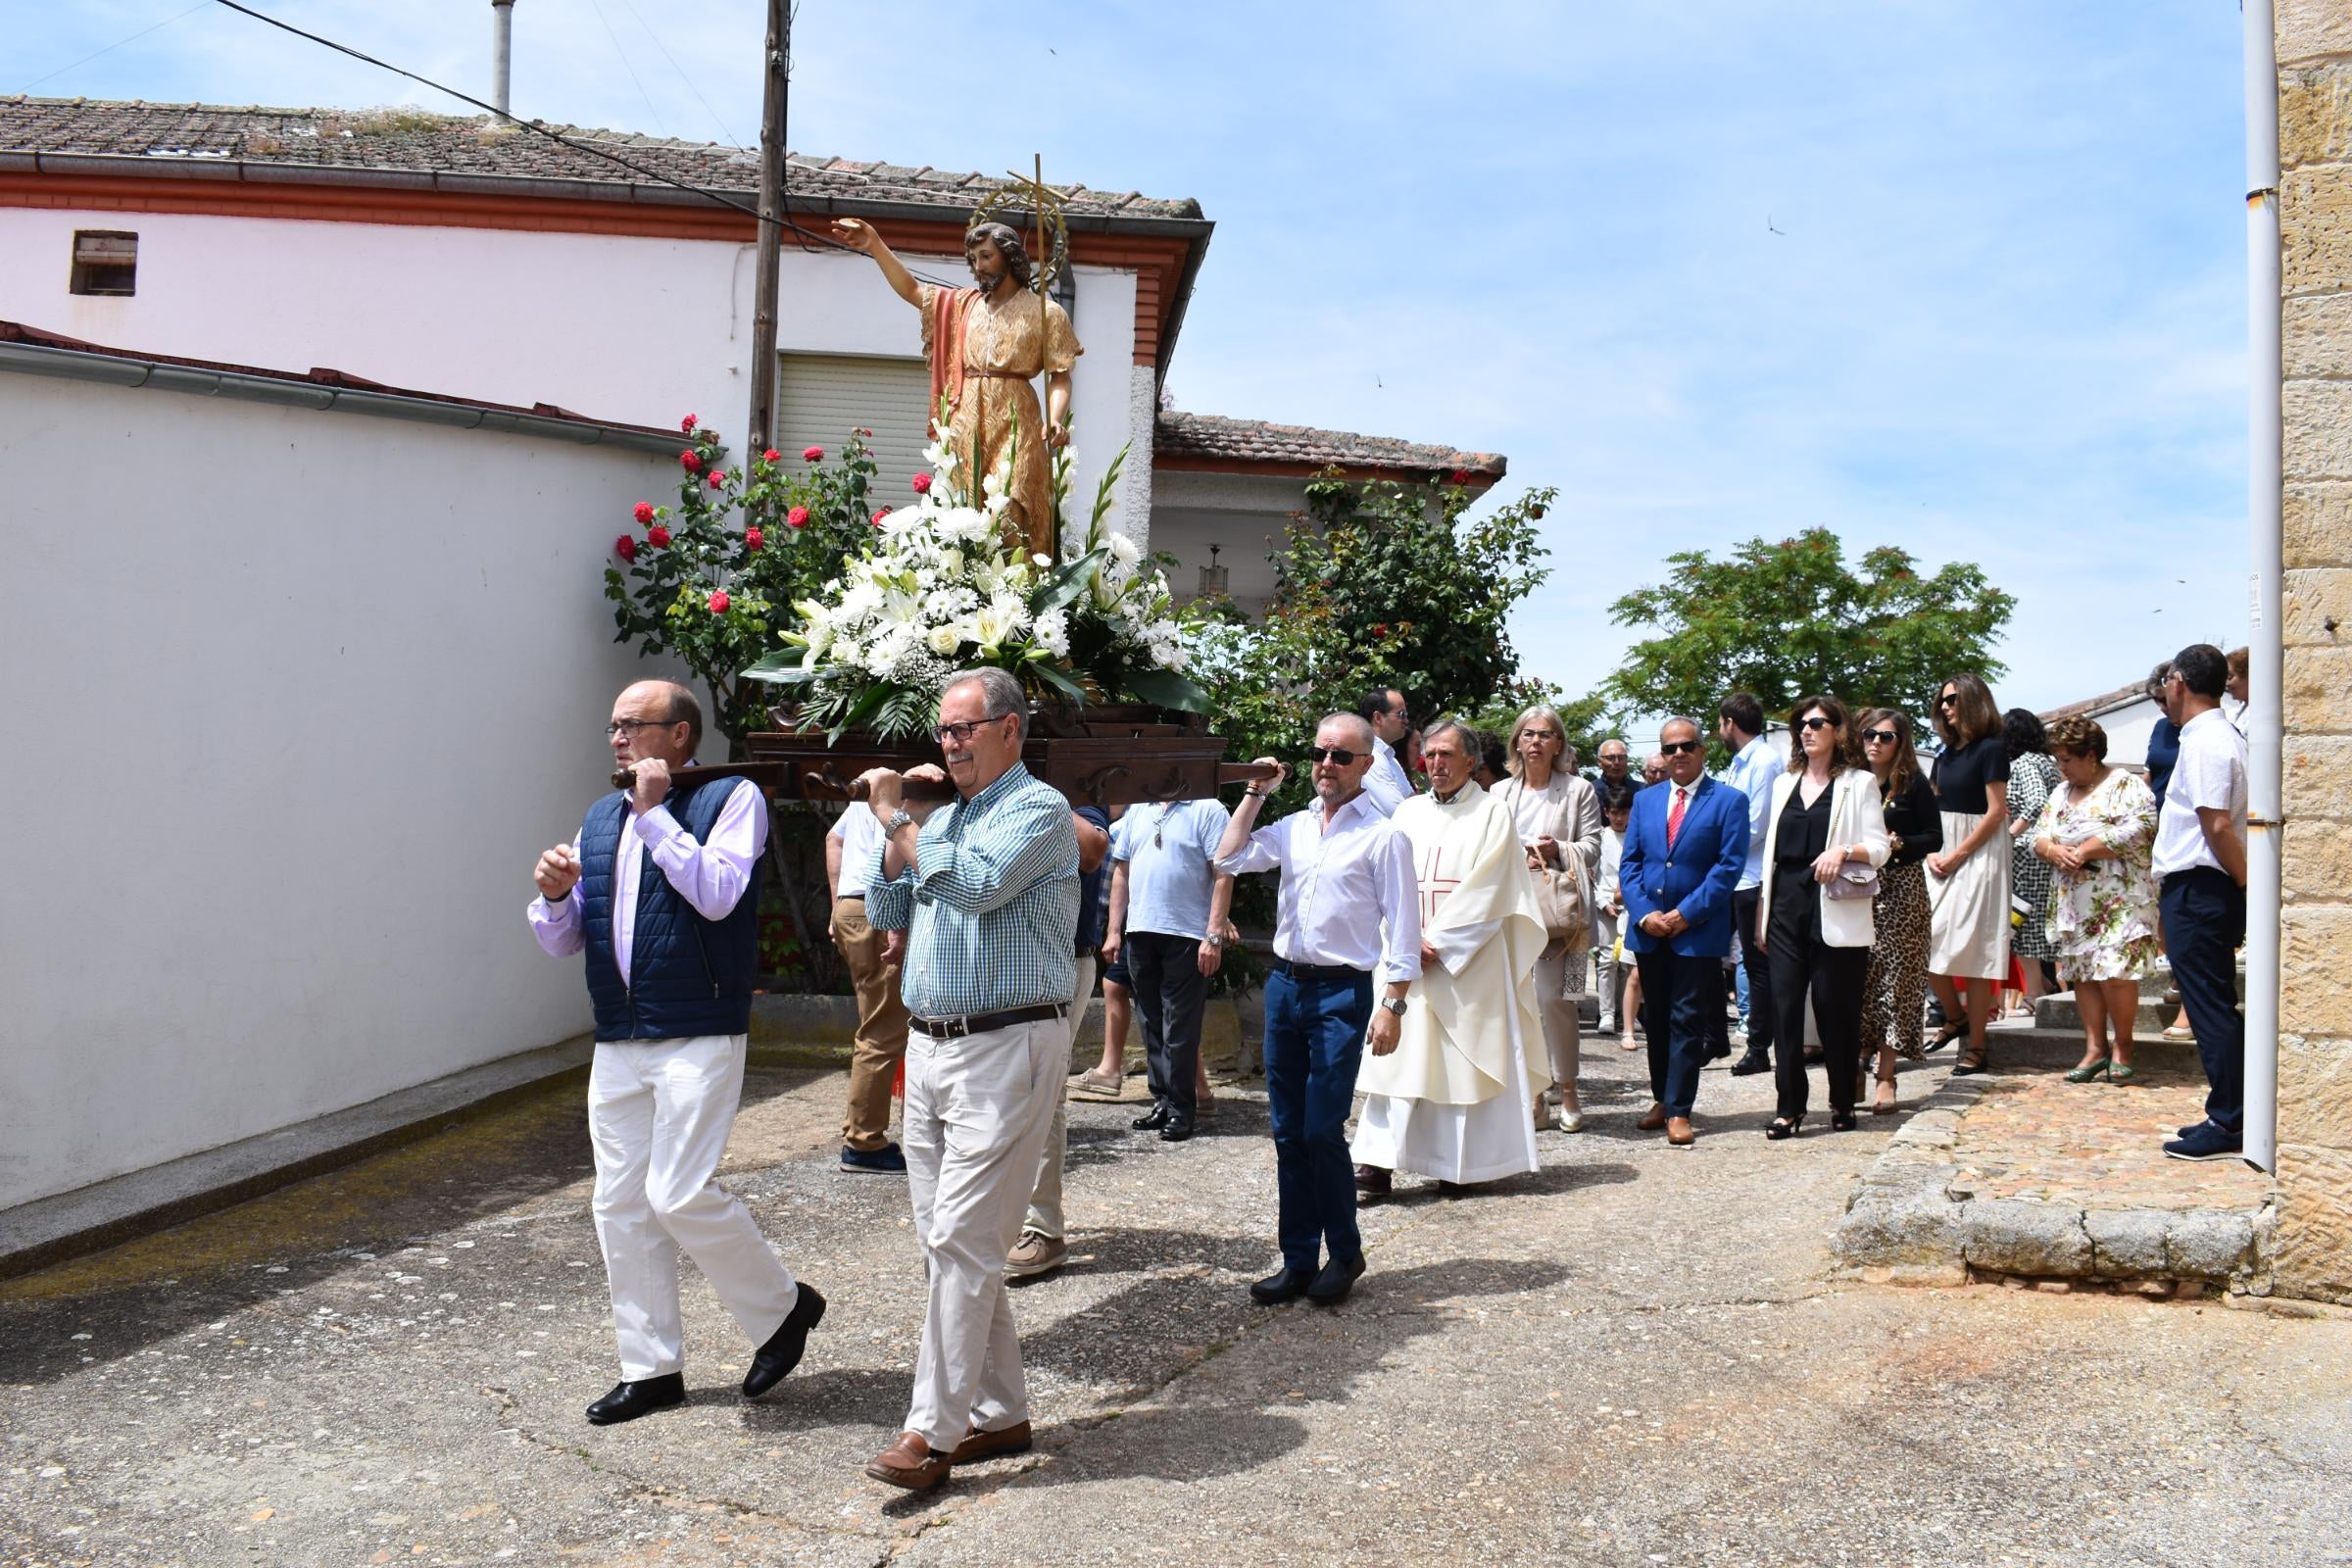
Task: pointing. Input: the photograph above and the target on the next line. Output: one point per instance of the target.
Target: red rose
(864, 431)
(656, 536)
(921, 483)
(626, 547)
(690, 460)
(1461, 476)
(879, 513)
(752, 538)
(687, 424)
(645, 511)
(771, 455)
(813, 454)
(798, 517)
(718, 476)
(1380, 628)
(718, 603)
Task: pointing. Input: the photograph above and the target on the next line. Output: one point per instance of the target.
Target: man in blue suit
(1684, 851)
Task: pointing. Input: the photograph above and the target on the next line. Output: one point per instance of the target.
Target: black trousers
(1806, 968)
(1165, 973)
(2204, 914)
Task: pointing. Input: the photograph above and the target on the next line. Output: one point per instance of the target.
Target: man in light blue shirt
(1756, 760)
(1387, 786)
(1168, 919)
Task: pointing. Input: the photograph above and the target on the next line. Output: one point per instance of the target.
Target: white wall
(318, 689)
(1247, 517)
(638, 330)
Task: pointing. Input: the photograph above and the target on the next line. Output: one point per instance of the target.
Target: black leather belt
(982, 1022)
(1318, 971)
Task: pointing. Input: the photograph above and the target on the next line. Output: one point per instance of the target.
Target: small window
(105, 262)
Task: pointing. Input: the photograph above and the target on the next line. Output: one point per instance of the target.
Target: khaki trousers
(881, 1041)
(977, 1112)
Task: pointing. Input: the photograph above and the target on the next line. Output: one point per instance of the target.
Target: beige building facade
(2313, 1242)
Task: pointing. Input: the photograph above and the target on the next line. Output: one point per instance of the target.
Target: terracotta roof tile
(1209, 435)
(418, 142)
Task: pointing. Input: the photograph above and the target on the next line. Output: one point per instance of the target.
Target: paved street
(1636, 1356)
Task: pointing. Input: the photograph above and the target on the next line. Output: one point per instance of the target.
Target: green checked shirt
(991, 906)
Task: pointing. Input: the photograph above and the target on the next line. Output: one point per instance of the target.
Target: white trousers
(1045, 1203)
(974, 1124)
(659, 1115)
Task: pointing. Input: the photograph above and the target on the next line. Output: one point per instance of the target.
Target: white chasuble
(1455, 1098)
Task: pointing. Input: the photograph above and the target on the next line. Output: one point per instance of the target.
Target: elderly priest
(1457, 1099)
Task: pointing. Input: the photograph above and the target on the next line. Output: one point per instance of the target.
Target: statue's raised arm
(986, 345)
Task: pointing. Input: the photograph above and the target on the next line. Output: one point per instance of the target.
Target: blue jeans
(2204, 916)
(1315, 1042)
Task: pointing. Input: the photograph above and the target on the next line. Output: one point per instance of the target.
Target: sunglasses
(1336, 756)
(1814, 723)
(1676, 748)
(1889, 735)
(1948, 700)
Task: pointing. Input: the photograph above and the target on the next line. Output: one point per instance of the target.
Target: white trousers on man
(973, 1128)
(659, 1115)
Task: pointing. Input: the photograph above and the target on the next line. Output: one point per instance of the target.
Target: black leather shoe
(629, 1401)
(1178, 1128)
(1338, 1278)
(1287, 1286)
(782, 1352)
(1158, 1116)
(1755, 1061)
(1373, 1181)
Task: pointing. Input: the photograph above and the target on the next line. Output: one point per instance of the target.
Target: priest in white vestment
(1455, 1100)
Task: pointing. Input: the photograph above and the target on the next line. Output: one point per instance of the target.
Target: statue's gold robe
(983, 359)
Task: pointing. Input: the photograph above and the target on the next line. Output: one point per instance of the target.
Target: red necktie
(1674, 819)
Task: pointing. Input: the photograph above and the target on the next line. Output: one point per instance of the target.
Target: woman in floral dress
(2096, 834)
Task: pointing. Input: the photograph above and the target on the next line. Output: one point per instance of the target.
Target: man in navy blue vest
(1684, 846)
(663, 894)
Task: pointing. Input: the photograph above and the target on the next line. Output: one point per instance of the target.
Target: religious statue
(986, 344)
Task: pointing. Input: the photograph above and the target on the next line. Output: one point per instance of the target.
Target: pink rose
(718, 477)
(656, 536)
(921, 483)
(690, 460)
(752, 538)
(645, 511)
(687, 424)
(626, 547)
(798, 517)
(813, 454)
(718, 603)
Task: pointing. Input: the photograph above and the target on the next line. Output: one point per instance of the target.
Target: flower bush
(939, 589)
(711, 579)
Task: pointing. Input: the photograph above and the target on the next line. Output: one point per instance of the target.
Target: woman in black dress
(1895, 993)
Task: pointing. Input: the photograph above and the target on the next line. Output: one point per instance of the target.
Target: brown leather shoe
(1678, 1133)
(1654, 1121)
(977, 1446)
(910, 1463)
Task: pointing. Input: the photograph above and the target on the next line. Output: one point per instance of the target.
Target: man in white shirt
(1168, 919)
(2200, 865)
(1756, 762)
(881, 1040)
(1349, 905)
(1387, 783)
(661, 892)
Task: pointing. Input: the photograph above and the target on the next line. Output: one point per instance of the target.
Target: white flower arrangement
(941, 590)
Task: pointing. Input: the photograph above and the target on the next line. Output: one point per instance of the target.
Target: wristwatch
(1395, 1005)
(898, 819)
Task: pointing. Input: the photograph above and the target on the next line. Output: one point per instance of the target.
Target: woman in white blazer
(1824, 834)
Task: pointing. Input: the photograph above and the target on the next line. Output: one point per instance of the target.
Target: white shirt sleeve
(711, 876)
(1262, 852)
(1401, 909)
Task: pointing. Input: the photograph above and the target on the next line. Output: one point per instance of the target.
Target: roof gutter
(107, 369)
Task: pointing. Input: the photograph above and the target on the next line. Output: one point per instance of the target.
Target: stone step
(2060, 1011)
(2031, 1046)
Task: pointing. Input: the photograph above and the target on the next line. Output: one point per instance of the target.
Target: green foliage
(1793, 619)
(739, 538)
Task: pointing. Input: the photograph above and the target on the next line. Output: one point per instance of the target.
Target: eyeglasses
(1674, 747)
(1552, 735)
(959, 734)
(1338, 756)
(1816, 721)
(1886, 736)
(634, 725)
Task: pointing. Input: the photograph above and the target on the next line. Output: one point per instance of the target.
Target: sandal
(1841, 1121)
(1781, 1127)
(1883, 1103)
(1972, 1063)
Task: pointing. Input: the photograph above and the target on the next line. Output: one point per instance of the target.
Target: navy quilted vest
(690, 976)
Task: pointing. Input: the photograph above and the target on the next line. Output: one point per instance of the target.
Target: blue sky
(2003, 318)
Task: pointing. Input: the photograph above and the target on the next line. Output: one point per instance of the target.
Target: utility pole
(760, 429)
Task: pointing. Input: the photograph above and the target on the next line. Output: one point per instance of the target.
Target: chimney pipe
(502, 54)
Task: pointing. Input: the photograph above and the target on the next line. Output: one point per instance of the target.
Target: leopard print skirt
(1895, 991)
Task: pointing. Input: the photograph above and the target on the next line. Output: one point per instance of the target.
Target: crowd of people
(1433, 950)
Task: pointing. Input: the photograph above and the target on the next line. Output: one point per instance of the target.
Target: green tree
(1793, 619)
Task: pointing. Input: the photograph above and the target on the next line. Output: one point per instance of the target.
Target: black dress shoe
(1338, 1278)
(1178, 1128)
(1755, 1061)
(782, 1352)
(1158, 1116)
(1374, 1181)
(1288, 1285)
(629, 1401)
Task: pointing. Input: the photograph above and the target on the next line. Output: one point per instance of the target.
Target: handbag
(1852, 882)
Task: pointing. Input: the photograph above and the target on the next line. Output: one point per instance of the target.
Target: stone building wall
(2313, 1254)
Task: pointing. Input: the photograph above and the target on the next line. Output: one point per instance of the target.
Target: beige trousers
(1553, 994)
(881, 1039)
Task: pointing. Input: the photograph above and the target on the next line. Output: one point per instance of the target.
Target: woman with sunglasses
(1895, 993)
(1967, 879)
(1825, 834)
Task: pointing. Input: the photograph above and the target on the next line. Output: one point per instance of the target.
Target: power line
(614, 40)
(533, 125)
(724, 128)
(117, 44)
